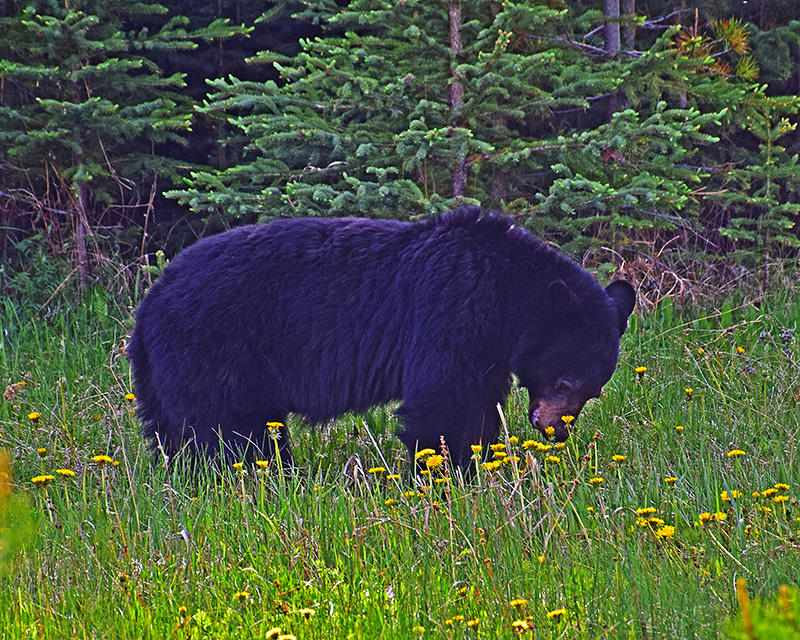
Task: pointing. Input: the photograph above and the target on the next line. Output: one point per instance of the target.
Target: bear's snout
(543, 416)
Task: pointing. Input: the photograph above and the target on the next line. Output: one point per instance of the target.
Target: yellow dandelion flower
(274, 425)
(727, 497)
(768, 493)
(393, 476)
(689, 391)
(21, 384)
(389, 502)
(410, 493)
(642, 522)
(422, 453)
(645, 511)
(102, 459)
(640, 370)
(781, 486)
(182, 611)
(500, 454)
(425, 472)
(520, 625)
(527, 444)
(679, 428)
(273, 633)
(287, 636)
(418, 629)
(498, 446)
(474, 622)
(567, 419)
(560, 445)
(671, 480)
(735, 452)
(238, 465)
(739, 350)
(652, 520)
(69, 473)
(513, 439)
(665, 533)
(590, 509)
(756, 495)
(442, 480)
(130, 397)
(549, 431)
(34, 415)
(42, 451)
(476, 448)
(306, 613)
(700, 351)
(492, 466)
(619, 458)
(518, 602)
(541, 446)
(241, 596)
(434, 461)
(42, 480)
(556, 613)
(553, 459)
(705, 517)
(376, 470)
(720, 516)
(780, 498)
(595, 481)
(262, 464)
(123, 578)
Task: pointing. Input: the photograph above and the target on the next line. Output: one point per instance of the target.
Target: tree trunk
(611, 13)
(628, 8)
(459, 180)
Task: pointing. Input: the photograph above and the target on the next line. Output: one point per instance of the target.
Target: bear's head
(571, 351)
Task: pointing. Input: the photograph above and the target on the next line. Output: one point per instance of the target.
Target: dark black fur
(322, 316)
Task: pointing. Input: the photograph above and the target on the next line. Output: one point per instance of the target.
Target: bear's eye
(563, 386)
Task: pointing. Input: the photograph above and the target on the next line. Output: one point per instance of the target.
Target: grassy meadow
(680, 481)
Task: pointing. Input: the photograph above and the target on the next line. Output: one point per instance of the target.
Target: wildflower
(34, 415)
(556, 613)
(553, 459)
(102, 459)
(735, 452)
(474, 622)
(619, 458)
(560, 445)
(705, 517)
(130, 397)
(595, 481)
(567, 419)
(238, 466)
(393, 476)
(726, 497)
(377, 470)
(590, 509)
(274, 426)
(518, 602)
(418, 629)
(665, 532)
(756, 495)
(389, 502)
(42, 451)
(527, 444)
(500, 454)
(719, 516)
(768, 493)
(492, 466)
(645, 511)
(183, 611)
(306, 613)
(123, 578)
(670, 480)
(781, 486)
(476, 448)
(262, 464)
(241, 596)
(42, 480)
(520, 625)
(739, 350)
(434, 461)
(688, 391)
(69, 473)
(287, 636)
(442, 480)
(273, 633)
(550, 431)
(513, 439)
(422, 453)
(498, 446)
(780, 498)
(679, 428)
(640, 371)
(700, 351)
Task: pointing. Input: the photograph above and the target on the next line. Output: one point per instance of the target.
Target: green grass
(137, 550)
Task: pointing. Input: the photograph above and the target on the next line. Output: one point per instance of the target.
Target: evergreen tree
(84, 113)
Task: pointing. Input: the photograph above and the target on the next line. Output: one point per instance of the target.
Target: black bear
(322, 316)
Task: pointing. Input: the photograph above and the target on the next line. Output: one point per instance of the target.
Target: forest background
(660, 135)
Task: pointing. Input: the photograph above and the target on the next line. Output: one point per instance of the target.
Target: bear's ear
(624, 298)
(558, 295)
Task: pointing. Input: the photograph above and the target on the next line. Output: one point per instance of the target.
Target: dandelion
(640, 371)
(238, 466)
(492, 466)
(549, 431)
(645, 511)
(756, 495)
(780, 498)
(43, 480)
(442, 480)
(688, 391)
(393, 476)
(671, 480)
(679, 428)
(527, 444)
(262, 464)
(553, 459)
(595, 481)
(273, 633)
(306, 613)
(67, 473)
(241, 596)
(130, 397)
(556, 613)
(500, 454)
(418, 629)
(700, 351)
(377, 470)
(499, 446)
(42, 451)
(665, 532)
(102, 459)
(474, 622)
(590, 509)
(781, 486)
(726, 497)
(34, 415)
(389, 502)
(567, 419)
(739, 350)
(768, 493)
(287, 636)
(720, 516)
(513, 439)
(619, 458)
(434, 461)
(705, 517)
(422, 453)
(520, 625)
(518, 603)
(123, 578)
(274, 426)
(182, 611)
(476, 448)
(735, 452)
